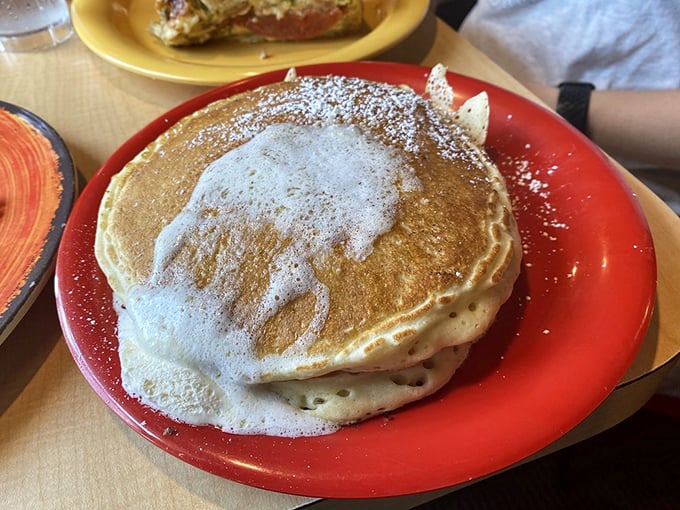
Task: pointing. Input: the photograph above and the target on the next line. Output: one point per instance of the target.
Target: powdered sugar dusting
(541, 222)
(392, 114)
(534, 180)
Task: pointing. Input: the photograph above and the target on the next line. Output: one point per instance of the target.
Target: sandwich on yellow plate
(185, 22)
(307, 254)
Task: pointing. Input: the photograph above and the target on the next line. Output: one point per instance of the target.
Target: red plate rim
(579, 312)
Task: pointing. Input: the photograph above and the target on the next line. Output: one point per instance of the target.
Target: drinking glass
(27, 25)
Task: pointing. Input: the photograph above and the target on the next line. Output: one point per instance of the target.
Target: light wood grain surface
(60, 446)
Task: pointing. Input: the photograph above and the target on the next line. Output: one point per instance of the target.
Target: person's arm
(635, 125)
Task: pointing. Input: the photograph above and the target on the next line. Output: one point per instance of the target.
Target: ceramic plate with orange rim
(118, 32)
(37, 189)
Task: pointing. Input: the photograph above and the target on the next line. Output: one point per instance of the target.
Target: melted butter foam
(320, 188)
(189, 396)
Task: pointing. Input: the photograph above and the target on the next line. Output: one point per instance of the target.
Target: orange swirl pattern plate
(37, 189)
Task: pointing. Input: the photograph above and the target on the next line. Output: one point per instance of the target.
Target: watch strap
(573, 102)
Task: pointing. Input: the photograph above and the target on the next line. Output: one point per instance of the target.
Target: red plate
(560, 345)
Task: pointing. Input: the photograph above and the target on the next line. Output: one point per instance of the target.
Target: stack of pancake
(304, 255)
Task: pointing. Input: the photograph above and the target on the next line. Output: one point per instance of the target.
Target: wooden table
(60, 447)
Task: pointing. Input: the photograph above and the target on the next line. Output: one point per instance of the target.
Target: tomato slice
(292, 25)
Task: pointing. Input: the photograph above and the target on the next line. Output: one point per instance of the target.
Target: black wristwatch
(572, 103)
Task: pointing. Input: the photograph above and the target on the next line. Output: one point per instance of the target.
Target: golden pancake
(434, 278)
(346, 397)
(307, 407)
(322, 250)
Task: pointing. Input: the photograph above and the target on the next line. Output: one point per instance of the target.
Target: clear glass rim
(37, 39)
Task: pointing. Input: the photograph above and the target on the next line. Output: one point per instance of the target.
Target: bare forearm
(638, 125)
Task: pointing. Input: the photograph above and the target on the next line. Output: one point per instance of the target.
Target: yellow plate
(118, 32)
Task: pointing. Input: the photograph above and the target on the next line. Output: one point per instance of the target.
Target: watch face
(573, 102)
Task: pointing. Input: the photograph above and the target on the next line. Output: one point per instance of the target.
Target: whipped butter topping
(319, 188)
(309, 186)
